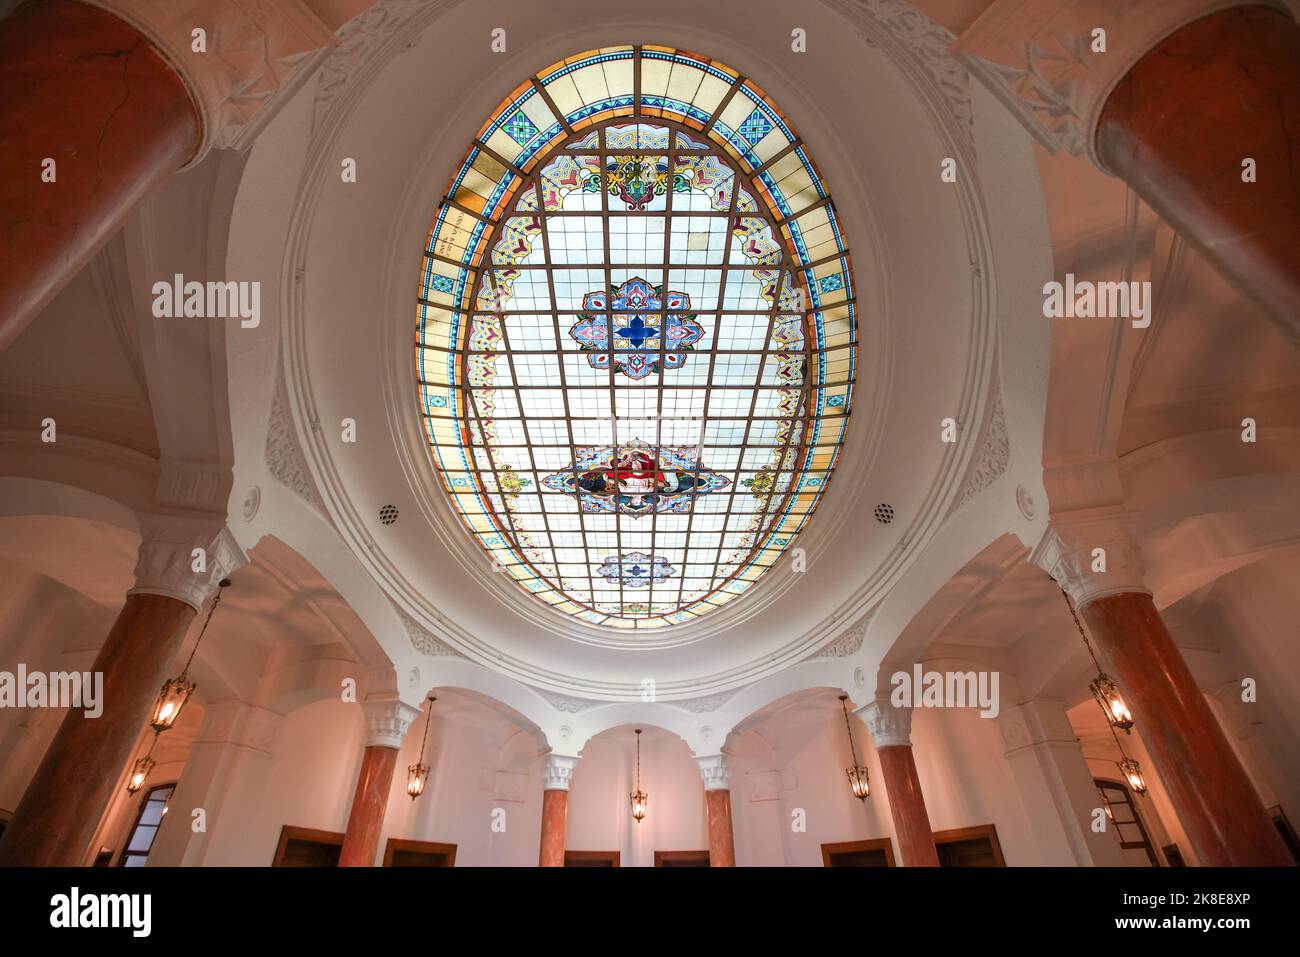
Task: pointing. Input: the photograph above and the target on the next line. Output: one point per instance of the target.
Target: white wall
(600, 814)
(476, 781)
(791, 764)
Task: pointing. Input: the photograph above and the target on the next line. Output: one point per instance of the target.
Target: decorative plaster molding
(565, 703)
(847, 644)
(889, 726)
(360, 44)
(1036, 56)
(714, 770)
(422, 641)
(165, 564)
(284, 457)
(994, 455)
(908, 35)
(1034, 723)
(387, 720)
(1067, 552)
(558, 772)
(705, 703)
(257, 54)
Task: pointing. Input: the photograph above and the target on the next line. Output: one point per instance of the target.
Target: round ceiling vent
(884, 514)
(388, 514)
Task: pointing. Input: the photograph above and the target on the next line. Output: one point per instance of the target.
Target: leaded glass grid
(636, 336)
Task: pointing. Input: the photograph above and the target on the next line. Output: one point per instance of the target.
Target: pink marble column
(1216, 803)
(891, 731)
(90, 92)
(1192, 103)
(1181, 122)
(67, 797)
(717, 800)
(74, 784)
(555, 805)
(1210, 790)
(369, 801)
(387, 720)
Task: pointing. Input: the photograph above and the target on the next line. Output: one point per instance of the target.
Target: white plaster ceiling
(337, 259)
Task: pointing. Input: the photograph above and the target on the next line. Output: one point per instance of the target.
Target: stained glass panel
(636, 337)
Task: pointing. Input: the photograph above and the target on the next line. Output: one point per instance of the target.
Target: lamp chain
(1078, 624)
(221, 587)
(849, 728)
(428, 717)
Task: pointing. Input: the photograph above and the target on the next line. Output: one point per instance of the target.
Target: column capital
(387, 721)
(558, 771)
(165, 562)
(714, 770)
(256, 56)
(1092, 554)
(1039, 58)
(889, 726)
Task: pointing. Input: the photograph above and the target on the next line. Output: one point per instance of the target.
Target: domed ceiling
(636, 337)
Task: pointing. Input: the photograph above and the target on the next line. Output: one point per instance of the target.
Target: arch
(1213, 528)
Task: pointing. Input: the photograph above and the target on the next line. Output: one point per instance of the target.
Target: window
(874, 853)
(636, 337)
(1125, 819)
(307, 847)
(400, 853)
(969, 847)
(682, 859)
(591, 858)
(147, 822)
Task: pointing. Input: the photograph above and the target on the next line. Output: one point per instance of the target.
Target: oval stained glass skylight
(636, 336)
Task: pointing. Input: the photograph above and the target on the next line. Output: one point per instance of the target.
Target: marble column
(117, 94)
(891, 731)
(1179, 126)
(1210, 791)
(555, 805)
(1173, 97)
(717, 799)
(387, 721)
(66, 798)
(90, 93)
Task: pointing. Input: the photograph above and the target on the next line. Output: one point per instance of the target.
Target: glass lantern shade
(1112, 703)
(171, 700)
(1132, 772)
(417, 775)
(858, 781)
(139, 773)
(639, 801)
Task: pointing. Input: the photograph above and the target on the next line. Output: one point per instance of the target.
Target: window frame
(136, 825)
